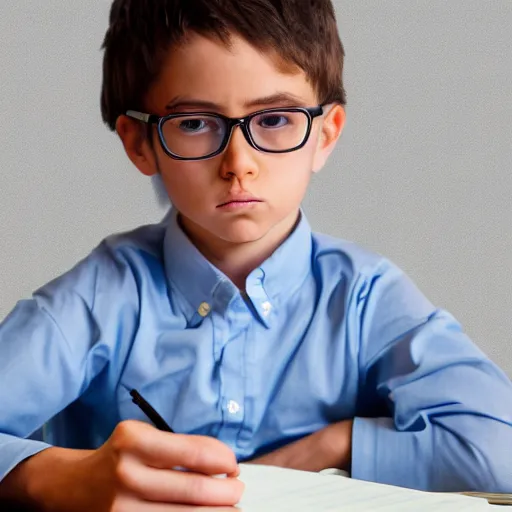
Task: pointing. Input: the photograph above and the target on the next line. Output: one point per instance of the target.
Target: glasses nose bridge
(243, 123)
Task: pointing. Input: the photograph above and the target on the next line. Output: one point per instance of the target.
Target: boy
(254, 339)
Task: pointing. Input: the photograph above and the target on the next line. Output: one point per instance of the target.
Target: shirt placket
(230, 354)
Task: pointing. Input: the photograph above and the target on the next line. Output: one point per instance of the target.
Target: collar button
(204, 309)
(267, 308)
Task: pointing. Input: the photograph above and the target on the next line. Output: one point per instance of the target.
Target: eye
(271, 121)
(193, 125)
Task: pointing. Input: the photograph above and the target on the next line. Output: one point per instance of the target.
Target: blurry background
(423, 173)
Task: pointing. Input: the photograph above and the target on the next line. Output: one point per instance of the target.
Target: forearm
(327, 448)
(44, 481)
(460, 454)
(337, 446)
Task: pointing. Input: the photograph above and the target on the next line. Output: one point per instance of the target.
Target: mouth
(240, 202)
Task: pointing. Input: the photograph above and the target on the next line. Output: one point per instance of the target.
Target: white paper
(283, 490)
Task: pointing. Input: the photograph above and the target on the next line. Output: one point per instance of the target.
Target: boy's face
(235, 80)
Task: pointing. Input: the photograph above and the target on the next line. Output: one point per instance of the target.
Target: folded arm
(449, 421)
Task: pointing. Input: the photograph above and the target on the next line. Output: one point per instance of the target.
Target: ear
(133, 135)
(332, 126)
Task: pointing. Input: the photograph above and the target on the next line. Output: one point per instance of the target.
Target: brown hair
(301, 33)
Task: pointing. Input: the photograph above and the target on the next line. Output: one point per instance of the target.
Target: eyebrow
(283, 99)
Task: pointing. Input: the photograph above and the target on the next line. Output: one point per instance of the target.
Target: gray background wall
(423, 173)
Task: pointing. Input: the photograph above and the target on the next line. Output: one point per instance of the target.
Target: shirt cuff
(14, 450)
(382, 454)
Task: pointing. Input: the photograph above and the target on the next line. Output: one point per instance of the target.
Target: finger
(170, 486)
(200, 454)
(129, 503)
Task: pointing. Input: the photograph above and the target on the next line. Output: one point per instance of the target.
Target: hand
(134, 472)
(330, 447)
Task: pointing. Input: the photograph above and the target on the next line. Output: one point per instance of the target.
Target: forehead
(206, 69)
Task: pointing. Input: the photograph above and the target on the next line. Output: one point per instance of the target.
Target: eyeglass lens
(202, 135)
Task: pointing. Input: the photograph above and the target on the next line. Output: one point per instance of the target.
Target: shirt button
(204, 309)
(267, 308)
(233, 407)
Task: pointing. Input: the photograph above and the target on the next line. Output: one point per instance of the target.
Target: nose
(238, 159)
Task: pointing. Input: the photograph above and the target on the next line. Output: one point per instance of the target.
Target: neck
(238, 260)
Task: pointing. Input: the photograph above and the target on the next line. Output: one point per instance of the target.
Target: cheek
(185, 180)
(294, 168)
(288, 181)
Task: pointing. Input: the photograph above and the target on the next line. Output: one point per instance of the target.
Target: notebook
(284, 490)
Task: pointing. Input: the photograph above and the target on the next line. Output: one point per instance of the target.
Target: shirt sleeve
(438, 412)
(49, 353)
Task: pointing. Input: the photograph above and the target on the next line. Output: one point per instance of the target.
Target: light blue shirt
(326, 331)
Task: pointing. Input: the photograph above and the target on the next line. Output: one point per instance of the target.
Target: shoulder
(141, 244)
(117, 262)
(366, 273)
(380, 295)
(348, 259)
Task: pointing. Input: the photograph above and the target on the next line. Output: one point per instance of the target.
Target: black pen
(148, 410)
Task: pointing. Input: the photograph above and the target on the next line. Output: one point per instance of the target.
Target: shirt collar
(205, 287)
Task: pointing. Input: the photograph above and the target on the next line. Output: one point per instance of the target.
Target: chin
(243, 233)
(242, 238)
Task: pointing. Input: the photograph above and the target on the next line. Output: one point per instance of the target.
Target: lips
(239, 199)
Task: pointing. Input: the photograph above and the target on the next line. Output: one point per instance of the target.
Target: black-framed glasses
(202, 135)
